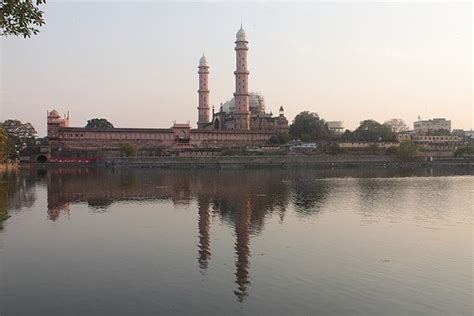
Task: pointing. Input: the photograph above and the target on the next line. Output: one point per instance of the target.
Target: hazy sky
(136, 63)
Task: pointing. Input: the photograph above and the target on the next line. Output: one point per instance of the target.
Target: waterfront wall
(287, 161)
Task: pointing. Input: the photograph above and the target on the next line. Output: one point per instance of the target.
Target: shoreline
(273, 161)
(8, 166)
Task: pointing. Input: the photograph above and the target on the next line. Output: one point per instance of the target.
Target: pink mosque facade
(234, 127)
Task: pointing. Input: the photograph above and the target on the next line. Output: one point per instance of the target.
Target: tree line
(309, 127)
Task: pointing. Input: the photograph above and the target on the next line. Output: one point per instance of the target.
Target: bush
(373, 149)
(391, 151)
(407, 150)
(335, 149)
(464, 151)
(128, 150)
(281, 138)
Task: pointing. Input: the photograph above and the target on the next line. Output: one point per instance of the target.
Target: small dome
(203, 61)
(54, 114)
(241, 35)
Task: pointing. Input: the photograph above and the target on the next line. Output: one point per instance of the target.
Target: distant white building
(298, 145)
(432, 124)
(336, 126)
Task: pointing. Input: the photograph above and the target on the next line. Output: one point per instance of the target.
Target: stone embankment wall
(290, 161)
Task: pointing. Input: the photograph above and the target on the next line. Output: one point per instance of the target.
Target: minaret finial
(241, 26)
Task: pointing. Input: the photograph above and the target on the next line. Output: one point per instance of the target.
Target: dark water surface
(271, 242)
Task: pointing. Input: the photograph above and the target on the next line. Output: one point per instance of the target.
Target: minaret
(203, 108)
(241, 95)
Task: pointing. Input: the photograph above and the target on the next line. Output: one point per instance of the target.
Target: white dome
(203, 61)
(256, 104)
(241, 35)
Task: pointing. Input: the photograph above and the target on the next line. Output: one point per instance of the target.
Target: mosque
(245, 111)
(239, 122)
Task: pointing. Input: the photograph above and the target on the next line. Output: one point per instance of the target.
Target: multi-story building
(432, 125)
(432, 142)
(438, 143)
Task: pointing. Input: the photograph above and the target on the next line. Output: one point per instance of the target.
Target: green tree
(307, 126)
(407, 150)
(397, 125)
(99, 123)
(464, 151)
(20, 17)
(282, 137)
(128, 149)
(347, 136)
(21, 137)
(373, 131)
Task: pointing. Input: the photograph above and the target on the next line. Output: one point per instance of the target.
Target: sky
(135, 63)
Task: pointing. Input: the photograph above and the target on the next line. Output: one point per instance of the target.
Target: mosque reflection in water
(241, 199)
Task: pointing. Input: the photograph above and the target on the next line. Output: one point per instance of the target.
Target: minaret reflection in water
(240, 199)
(204, 224)
(242, 249)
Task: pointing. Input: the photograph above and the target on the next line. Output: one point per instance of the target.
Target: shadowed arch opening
(41, 159)
(216, 124)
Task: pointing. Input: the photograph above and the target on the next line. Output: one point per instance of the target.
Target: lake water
(246, 242)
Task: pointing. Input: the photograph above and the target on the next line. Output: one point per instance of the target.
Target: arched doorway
(216, 124)
(41, 159)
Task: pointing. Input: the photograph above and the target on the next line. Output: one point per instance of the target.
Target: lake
(248, 242)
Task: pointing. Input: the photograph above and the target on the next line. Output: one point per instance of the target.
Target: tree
(397, 125)
(99, 123)
(464, 151)
(307, 126)
(281, 138)
(373, 131)
(18, 130)
(334, 149)
(20, 17)
(407, 150)
(3, 145)
(20, 137)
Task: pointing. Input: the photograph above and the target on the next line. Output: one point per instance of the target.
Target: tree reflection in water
(17, 191)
